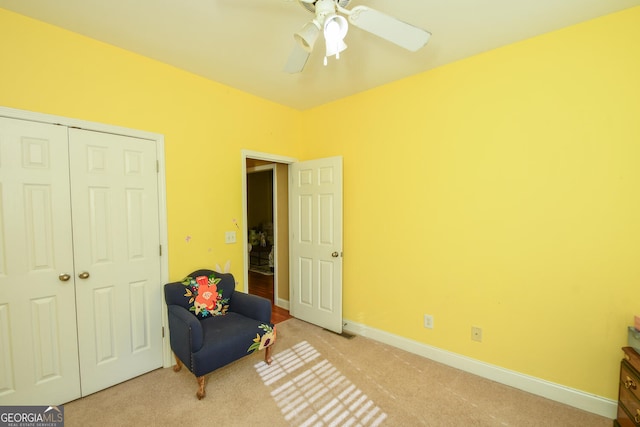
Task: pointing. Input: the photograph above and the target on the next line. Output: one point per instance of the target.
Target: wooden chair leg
(201, 393)
(267, 355)
(178, 364)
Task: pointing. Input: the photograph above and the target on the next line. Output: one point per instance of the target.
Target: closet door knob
(64, 277)
(335, 254)
(84, 275)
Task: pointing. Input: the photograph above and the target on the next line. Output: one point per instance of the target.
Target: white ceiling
(245, 43)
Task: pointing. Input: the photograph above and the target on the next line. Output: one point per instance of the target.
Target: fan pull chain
(337, 55)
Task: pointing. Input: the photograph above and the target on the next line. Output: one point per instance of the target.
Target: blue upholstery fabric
(204, 345)
(246, 305)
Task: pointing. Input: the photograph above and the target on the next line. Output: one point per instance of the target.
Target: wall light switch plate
(230, 237)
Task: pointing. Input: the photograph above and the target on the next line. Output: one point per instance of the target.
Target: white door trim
(14, 113)
(248, 154)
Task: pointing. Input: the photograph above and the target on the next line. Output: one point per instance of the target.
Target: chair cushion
(205, 298)
(228, 338)
(238, 330)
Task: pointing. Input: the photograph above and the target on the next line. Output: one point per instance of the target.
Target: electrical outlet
(230, 237)
(428, 321)
(476, 333)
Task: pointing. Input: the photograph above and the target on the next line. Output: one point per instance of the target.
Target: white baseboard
(282, 303)
(556, 392)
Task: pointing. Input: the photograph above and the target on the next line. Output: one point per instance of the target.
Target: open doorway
(304, 183)
(260, 219)
(267, 232)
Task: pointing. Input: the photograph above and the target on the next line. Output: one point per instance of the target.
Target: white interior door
(38, 341)
(316, 242)
(117, 256)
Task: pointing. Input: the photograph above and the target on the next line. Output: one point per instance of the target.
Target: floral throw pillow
(204, 297)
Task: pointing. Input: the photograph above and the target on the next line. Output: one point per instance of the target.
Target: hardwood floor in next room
(262, 285)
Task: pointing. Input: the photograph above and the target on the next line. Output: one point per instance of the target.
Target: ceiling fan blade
(297, 59)
(389, 28)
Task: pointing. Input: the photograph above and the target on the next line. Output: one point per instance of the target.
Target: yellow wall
(501, 191)
(205, 124)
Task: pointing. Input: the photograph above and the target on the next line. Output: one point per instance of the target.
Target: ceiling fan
(329, 21)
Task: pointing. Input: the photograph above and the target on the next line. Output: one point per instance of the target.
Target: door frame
(14, 113)
(273, 158)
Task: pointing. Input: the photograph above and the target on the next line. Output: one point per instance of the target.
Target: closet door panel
(116, 240)
(39, 356)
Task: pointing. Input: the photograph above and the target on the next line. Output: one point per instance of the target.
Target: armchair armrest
(252, 306)
(186, 334)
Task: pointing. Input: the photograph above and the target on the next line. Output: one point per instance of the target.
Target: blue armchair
(212, 325)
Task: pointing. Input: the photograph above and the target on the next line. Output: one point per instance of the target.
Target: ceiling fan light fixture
(330, 20)
(335, 30)
(308, 35)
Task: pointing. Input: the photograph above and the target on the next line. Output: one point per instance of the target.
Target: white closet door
(117, 259)
(38, 340)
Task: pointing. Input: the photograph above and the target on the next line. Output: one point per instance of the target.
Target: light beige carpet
(320, 378)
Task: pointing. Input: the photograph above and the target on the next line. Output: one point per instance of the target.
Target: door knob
(335, 254)
(630, 384)
(84, 275)
(64, 277)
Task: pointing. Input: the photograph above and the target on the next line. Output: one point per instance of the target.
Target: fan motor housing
(311, 7)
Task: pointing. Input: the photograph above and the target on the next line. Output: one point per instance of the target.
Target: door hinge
(160, 247)
(163, 332)
(157, 166)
